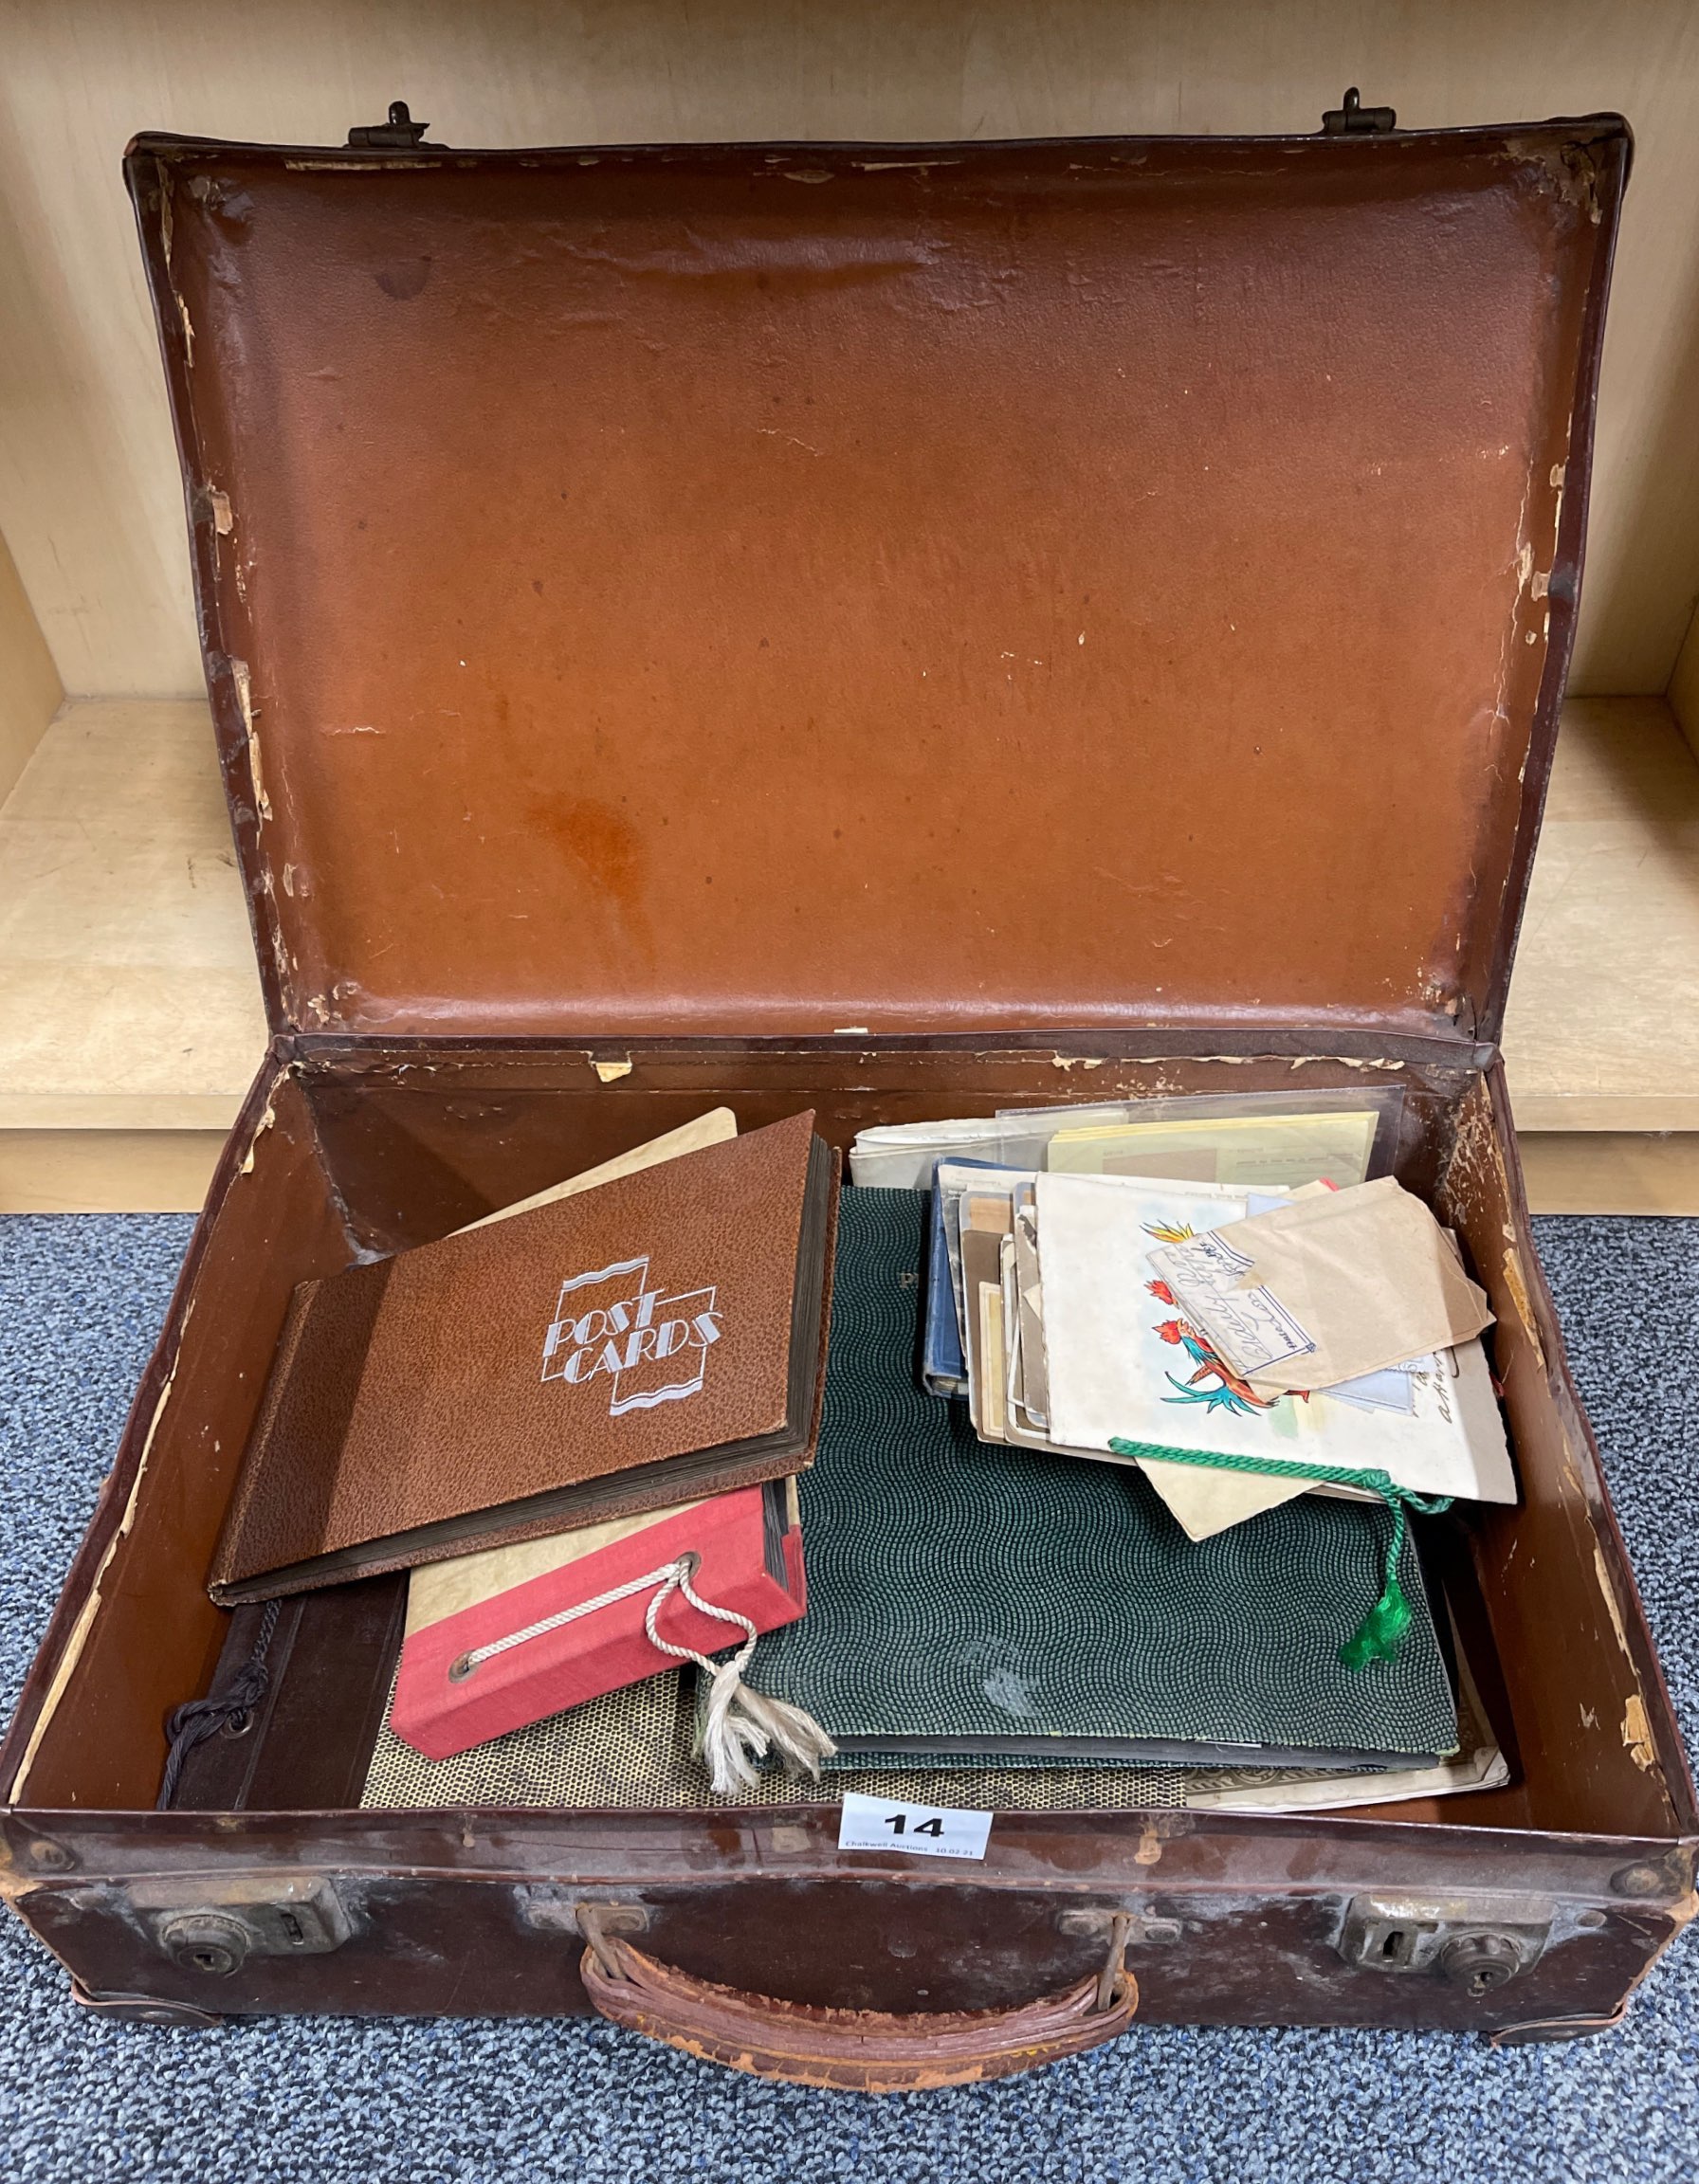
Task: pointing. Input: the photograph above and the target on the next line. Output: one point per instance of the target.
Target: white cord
(669, 1574)
(741, 1725)
(679, 1579)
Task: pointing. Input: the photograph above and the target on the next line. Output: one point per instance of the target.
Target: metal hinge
(1476, 1942)
(400, 133)
(1353, 118)
(215, 1925)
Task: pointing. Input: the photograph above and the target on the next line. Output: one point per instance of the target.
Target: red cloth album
(501, 1639)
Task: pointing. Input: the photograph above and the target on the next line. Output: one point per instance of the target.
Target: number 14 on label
(922, 1830)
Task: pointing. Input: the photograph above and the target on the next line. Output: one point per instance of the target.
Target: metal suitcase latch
(1476, 1942)
(214, 1924)
(1353, 118)
(400, 133)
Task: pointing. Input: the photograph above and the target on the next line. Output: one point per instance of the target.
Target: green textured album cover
(966, 1599)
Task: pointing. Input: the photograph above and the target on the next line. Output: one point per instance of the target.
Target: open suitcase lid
(776, 590)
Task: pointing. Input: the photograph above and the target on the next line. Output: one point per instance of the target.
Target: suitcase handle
(852, 2050)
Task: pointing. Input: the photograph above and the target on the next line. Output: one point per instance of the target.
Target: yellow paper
(713, 1128)
(1240, 1151)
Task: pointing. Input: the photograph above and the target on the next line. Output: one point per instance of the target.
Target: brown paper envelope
(980, 1268)
(1370, 1276)
(985, 1210)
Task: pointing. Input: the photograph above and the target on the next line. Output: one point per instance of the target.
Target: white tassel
(742, 1725)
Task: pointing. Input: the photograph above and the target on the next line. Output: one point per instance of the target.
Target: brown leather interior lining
(381, 1153)
(767, 591)
(139, 1634)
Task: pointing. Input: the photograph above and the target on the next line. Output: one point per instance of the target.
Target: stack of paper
(1264, 1139)
(1075, 1334)
(1247, 1151)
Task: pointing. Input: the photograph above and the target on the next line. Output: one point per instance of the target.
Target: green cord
(1381, 1633)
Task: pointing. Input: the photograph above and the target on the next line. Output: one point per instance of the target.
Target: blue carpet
(342, 2102)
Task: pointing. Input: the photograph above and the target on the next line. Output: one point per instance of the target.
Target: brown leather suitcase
(899, 630)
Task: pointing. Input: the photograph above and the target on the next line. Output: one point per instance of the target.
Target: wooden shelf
(129, 998)
(131, 1024)
(1602, 1032)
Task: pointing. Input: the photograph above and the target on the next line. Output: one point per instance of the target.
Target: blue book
(944, 1369)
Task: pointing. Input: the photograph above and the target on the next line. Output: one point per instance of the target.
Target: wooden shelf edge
(167, 1171)
(106, 1171)
(1609, 1171)
(143, 1114)
(1621, 1112)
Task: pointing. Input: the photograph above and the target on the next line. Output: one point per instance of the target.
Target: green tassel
(1381, 1632)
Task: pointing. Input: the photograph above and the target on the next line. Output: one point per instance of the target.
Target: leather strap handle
(855, 2050)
